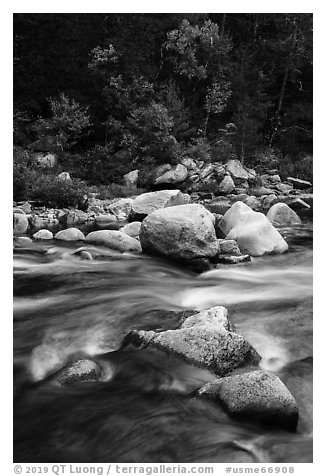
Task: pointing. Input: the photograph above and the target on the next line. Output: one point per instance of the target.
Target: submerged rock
(281, 214)
(70, 234)
(209, 346)
(115, 240)
(184, 232)
(80, 371)
(231, 259)
(258, 396)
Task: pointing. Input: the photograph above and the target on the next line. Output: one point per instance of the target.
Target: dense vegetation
(124, 91)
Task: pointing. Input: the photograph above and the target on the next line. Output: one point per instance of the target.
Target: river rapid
(143, 409)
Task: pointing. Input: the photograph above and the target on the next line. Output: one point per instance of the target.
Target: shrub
(199, 149)
(54, 192)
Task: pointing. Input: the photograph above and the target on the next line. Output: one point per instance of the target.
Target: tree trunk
(279, 106)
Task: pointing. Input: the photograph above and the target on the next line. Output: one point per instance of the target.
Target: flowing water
(143, 409)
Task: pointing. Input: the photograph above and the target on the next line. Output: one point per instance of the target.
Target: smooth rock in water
(298, 183)
(227, 185)
(107, 218)
(122, 206)
(81, 371)
(183, 232)
(70, 234)
(132, 229)
(231, 259)
(86, 255)
(237, 170)
(253, 203)
(209, 346)
(281, 214)
(43, 235)
(176, 174)
(147, 203)
(258, 396)
(229, 247)
(20, 223)
(64, 176)
(256, 236)
(215, 316)
(47, 161)
(131, 178)
(236, 214)
(115, 240)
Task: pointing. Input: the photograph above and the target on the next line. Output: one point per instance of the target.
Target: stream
(143, 409)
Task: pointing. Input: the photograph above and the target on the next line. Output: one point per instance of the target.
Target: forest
(117, 92)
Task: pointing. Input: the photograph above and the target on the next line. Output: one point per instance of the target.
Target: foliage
(199, 149)
(69, 121)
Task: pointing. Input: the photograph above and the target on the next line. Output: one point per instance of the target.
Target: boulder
(256, 236)
(298, 183)
(275, 178)
(227, 185)
(257, 396)
(268, 201)
(184, 232)
(47, 161)
(25, 207)
(190, 164)
(215, 316)
(220, 205)
(209, 346)
(39, 222)
(64, 176)
(284, 187)
(229, 247)
(281, 214)
(260, 191)
(233, 259)
(176, 174)
(132, 229)
(20, 224)
(70, 234)
(238, 172)
(131, 178)
(115, 240)
(236, 213)
(76, 217)
(83, 370)
(121, 207)
(43, 235)
(147, 203)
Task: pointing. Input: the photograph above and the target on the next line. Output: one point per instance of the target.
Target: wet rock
(115, 240)
(147, 203)
(209, 346)
(131, 178)
(281, 214)
(86, 255)
(231, 259)
(298, 183)
(83, 370)
(132, 229)
(184, 232)
(215, 316)
(229, 247)
(20, 223)
(70, 234)
(176, 174)
(43, 235)
(258, 396)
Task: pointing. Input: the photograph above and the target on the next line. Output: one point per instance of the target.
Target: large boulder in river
(147, 203)
(176, 174)
(20, 223)
(253, 232)
(43, 235)
(281, 214)
(258, 396)
(209, 346)
(184, 232)
(114, 239)
(83, 370)
(70, 234)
